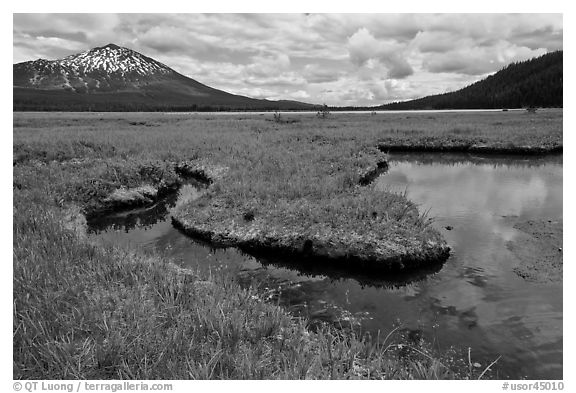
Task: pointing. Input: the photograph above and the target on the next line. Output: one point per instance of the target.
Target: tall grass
(292, 179)
(85, 311)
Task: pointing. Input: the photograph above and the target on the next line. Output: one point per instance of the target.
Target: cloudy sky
(337, 59)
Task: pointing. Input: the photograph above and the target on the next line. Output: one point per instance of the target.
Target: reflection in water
(475, 300)
(482, 198)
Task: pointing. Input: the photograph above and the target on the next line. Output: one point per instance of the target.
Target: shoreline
(318, 250)
(481, 149)
(322, 252)
(335, 249)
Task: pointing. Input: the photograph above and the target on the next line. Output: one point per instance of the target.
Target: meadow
(294, 184)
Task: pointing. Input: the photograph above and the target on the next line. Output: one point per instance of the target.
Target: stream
(474, 300)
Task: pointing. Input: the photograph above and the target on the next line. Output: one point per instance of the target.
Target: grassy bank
(88, 312)
(300, 186)
(291, 188)
(84, 311)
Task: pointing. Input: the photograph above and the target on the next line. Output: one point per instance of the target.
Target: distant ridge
(113, 78)
(532, 83)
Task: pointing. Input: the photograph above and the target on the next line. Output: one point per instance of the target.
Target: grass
(82, 311)
(89, 312)
(301, 184)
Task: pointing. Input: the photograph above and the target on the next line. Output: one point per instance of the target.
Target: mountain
(532, 83)
(113, 78)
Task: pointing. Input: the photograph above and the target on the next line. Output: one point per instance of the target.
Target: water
(379, 112)
(474, 300)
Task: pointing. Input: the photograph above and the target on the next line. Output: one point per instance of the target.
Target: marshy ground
(83, 310)
(540, 251)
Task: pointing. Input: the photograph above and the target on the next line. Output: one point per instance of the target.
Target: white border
(261, 6)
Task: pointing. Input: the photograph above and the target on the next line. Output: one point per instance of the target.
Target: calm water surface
(336, 113)
(474, 300)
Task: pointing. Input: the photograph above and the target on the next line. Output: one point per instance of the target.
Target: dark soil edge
(318, 253)
(104, 208)
(187, 171)
(337, 271)
(381, 168)
(520, 150)
(310, 251)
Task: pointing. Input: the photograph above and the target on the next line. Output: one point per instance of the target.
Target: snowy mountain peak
(114, 59)
(106, 68)
(112, 77)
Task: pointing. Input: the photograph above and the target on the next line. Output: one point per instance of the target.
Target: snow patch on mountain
(113, 59)
(111, 67)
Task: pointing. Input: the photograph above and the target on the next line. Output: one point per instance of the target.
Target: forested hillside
(532, 83)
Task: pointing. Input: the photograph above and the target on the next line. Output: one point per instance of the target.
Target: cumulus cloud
(171, 39)
(436, 41)
(314, 73)
(546, 37)
(480, 60)
(365, 49)
(72, 27)
(340, 59)
(266, 65)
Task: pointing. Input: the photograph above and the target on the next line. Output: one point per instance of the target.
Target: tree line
(531, 83)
